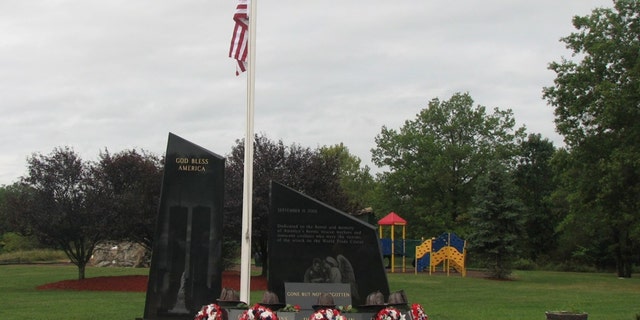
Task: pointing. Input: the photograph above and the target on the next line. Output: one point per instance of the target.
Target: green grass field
(532, 293)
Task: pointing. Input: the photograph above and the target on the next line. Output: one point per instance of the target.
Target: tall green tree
(132, 180)
(60, 202)
(497, 221)
(434, 160)
(300, 168)
(4, 226)
(356, 180)
(579, 242)
(534, 180)
(596, 97)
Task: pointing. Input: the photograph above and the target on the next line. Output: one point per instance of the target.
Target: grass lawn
(19, 298)
(603, 296)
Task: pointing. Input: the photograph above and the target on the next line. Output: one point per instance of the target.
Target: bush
(32, 256)
(230, 253)
(14, 242)
(524, 264)
(569, 266)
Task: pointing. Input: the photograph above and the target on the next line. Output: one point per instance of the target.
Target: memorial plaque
(287, 315)
(235, 314)
(186, 264)
(312, 242)
(361, 316)
(306, 294)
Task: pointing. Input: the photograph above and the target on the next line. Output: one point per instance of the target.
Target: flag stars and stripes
(239, 40)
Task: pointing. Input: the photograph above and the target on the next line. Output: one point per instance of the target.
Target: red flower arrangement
(258, 312)
(390, 313)
(417, 312)
(209, 312)
(327, 314)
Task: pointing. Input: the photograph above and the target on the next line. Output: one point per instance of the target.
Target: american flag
(239, 47)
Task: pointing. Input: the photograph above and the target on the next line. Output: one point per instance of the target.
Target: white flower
(329, 314)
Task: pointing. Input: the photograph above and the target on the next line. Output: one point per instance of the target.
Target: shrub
(230, 253)
(14, 242)
(524, 264)
(32, 256)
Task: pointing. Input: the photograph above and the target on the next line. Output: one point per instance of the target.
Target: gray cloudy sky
(123, 74)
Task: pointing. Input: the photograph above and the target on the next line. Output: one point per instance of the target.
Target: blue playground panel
(423, 263)
(401, 248)
(440, 242)
(457, 243)
(385, 244)
(448, 239)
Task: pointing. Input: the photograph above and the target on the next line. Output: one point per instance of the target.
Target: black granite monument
(311, 242)
(186, 265)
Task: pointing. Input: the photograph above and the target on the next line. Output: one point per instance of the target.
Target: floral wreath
(390, 313)
(209, 312)
(327, 314)
(258, 312)
(417, 312)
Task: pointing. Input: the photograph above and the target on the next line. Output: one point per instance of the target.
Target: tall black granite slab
(312, 242)
(186, 264)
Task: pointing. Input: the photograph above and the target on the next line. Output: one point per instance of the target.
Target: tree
(4, 226)
(434, 161)
(579, 243)
(60, 202)
(356, 181)
(497, 221)
(596, 102)
(298, 167)
(132, 180)
(534, 181)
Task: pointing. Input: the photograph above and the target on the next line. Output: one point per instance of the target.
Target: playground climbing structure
(448, 249)
(392, 247)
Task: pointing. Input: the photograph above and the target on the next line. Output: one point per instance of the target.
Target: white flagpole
(247, 193)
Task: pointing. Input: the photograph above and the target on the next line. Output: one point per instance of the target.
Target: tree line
(457, 167)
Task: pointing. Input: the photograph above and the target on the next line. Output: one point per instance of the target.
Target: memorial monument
(186, 264)
(313, 243)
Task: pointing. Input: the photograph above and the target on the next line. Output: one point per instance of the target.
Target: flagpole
(247, 194)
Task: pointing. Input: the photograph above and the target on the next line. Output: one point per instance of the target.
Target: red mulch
(230, 279)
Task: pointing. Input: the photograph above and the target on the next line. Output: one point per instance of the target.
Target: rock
(120, 254)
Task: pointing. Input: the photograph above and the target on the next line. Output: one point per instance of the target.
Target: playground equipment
(447, 249)
(389, 246)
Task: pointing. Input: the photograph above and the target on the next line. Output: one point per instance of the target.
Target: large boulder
(120, 254)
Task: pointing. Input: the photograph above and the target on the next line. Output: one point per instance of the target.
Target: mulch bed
(230, 279)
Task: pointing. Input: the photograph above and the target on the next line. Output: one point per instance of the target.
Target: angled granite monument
(313, 245)
(186, 264)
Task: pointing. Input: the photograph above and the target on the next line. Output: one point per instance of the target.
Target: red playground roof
(392, 219)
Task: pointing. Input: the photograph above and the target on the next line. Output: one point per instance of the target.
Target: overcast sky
(123, 74)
